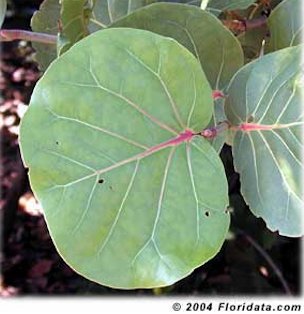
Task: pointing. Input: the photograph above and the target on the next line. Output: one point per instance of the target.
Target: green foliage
(252, 42)
(286, 25)
(106, 12)
(267, 92)
(74, 21)
(94, 188)
(220, 53)
(117, 135)
(2, 11)
(45, 20)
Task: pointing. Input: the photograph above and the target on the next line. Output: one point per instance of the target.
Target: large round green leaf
(132, 197)
(265, 101)
(286, 25)
(217, 49)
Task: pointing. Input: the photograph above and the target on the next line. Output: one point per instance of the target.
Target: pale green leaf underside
(99, 113)
(268, 92)
(2, 11)
(218, 51)
(45, 20)
(286, 25)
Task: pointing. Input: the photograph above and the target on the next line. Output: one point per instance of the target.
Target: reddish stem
(256, 23)
(242, 25)
(183, 137)
(16, 34)
(247, 127)
(214, 131)
(216, 94)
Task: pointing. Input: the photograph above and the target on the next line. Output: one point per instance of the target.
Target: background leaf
(105, 12)
(286, 25)
(124, 209)
(267, 92)
(218, 51)
(45, 20)
(252, 42)
(2, 11)
(74, 18)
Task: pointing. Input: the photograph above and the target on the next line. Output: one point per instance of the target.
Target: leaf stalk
(216, 130)
(242, 25)
(17, 34)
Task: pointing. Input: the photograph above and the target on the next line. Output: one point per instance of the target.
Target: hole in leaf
(101, 181)
(228, 210)
(207, 214)
(250, 119)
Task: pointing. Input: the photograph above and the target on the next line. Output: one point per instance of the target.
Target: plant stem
(247, 127)
(216, 94)
(269, 261)
(256, 23)
(214, 131)
(17, 34)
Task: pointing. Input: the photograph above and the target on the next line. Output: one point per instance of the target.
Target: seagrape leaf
(2, 11)
(105, 12)
(74, 18)
(265, 103)
(252, 42)
(217, 49)
(132, 198)
(285, 25)
(45, 20)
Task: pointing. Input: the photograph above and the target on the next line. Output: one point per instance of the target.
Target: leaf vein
(88, 205)
(131, 103)
(278, 166)
(119, 210)
(173, 105)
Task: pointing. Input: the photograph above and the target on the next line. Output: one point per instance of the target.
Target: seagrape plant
(124, 129)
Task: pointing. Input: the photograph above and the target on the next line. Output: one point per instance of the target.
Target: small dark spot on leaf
(57, 143)
(101, 181)
(111, 188)
(207, 214)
